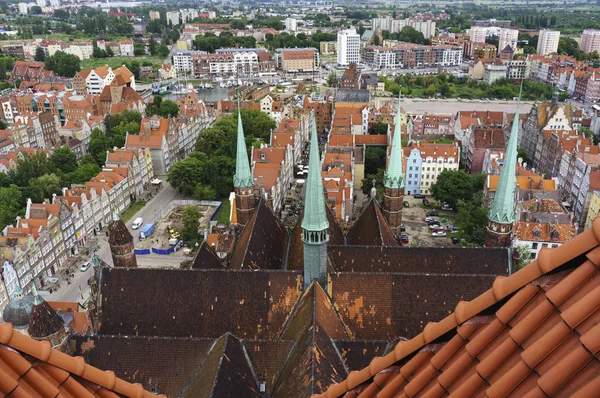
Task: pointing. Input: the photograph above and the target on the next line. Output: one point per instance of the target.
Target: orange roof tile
(140, 141)
(280, 140)
(534, 333)
(266, 174)
(33, 368)
(544, 232)
(524, 182)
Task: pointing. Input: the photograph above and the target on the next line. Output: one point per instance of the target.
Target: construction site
(165, 231)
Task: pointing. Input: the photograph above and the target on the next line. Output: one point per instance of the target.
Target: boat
(201, 86)
(208, 86)
(222, 85)
(229, 84)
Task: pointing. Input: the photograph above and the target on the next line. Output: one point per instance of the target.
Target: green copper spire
(394, 177)
(116, 216)
(243, 177)
(315, 218)
(503, 206)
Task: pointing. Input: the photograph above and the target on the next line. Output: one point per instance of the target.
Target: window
(534, 246)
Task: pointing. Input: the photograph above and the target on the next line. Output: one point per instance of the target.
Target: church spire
(502, 214)
(315, 226)
(243, 176)
(394, 177)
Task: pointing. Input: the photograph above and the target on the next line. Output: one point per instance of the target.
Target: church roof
(503, 206)
(43, 321)
(243, 175)
(535, 332)
(263, 242)
(206, 258)
(314, 218)
(371, 228)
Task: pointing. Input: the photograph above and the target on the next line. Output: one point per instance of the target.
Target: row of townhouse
(423, 163)
(233, 63)
(408, 56)
(82, 50)
(39, 243)
(579, 177)
(172, 139)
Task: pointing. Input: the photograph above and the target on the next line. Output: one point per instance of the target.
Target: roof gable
(371, 228)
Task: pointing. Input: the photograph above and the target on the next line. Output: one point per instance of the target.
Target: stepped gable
(296, 247)
(314, 360)
(358, 353)
(225, 372)
(368, 303)
(434, 260)
(43, 321)
(263, 242)
(31, 368)
(164, 364)
(203, 303)
(371, 229)
(206, 258)
(267, 359)
(534, 333)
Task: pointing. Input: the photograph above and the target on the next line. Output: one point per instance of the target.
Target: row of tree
(210, 42)
(207, 173)
(285, 40)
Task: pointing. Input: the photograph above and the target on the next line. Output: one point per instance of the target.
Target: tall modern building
(348, 47)
(478, 34)
(590, 41)
(507, 37)
(548, 42)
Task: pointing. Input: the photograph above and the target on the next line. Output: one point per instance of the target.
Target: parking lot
(417, 229)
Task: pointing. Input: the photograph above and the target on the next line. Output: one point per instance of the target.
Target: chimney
(531, 183)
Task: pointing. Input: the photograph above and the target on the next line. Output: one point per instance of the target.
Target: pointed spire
(116, 216)
(503, 206)
(394, 177)
(243, 176)
(315, 218)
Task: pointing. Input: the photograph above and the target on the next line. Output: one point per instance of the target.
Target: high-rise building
(507, 37)
(291, 24)
(348, 47)
(154, 15)
(548, 42)
(590, 41)
(478, 34)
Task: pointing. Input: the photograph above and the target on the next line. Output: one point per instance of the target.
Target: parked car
(425, 202)
(455, 240)
(418, 196)
(432, 226)
(428, 219)
(85, 266)
(137, 223)
(432, 213)
(404, 238)
(406, 204)
(402, 228)
(438, 233)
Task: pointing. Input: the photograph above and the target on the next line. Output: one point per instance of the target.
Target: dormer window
(537, 233)
(554, 234)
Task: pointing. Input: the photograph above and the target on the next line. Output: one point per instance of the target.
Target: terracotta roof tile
(541, 340)
(371, 228)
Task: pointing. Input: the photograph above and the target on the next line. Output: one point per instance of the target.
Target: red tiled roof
(534, 333)
(33, 368)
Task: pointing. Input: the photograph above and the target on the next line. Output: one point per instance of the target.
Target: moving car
(137, 223)
(438, 233)
(85, 266)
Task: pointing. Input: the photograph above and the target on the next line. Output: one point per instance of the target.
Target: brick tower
(393, 183)
(502, 214)
(243, 182)
(121, 243)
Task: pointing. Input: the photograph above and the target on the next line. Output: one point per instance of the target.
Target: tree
(35, 10)
(376, 40)
(202, 192)
(375, 157)
(109, 52)
(522, 153)
(378, 128)
(152, 46)
(40, 55)
(30, 167)
(139, 49)
(12, 204)
(62, 64)
(191, 222)
(186, 174)
(43, 187)
(64, 159)
(524, 253)
(99, 145)
(330, 79)
(454, 185)
(84, 173)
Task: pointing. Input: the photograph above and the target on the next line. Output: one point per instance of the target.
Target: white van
(137, 223)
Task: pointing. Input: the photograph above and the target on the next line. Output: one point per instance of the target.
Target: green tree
(454, 185)
(40, 56)
(43, 187)
(186, 174)
(99, 145)
(524, 253)
(152, 46)
(169, 108)
(84, 173)
(191, 222)
(522, 153)
(330, 79)
(378, 128)
(62, 64)
(375, 157)
(30, 167)
(202, 192)
(12, 204)
(64, 159)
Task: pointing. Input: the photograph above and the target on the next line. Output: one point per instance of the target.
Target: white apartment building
(291, 24)
(126, 48)
(348, 47)
(182, 60)
(590, 41)
(507, 37)
(24, 8)
(395, 25)
(425, 162)
(80, 50)
(188, 15)
(478, 34)
(98, 79)
(173, 17)
(548, 42)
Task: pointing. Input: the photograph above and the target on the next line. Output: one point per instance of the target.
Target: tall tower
(315, 226)
(502, 215)
(243, 182)
(121, 243)
(393, 182)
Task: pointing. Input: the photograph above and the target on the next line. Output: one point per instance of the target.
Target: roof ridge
(548, 260)
(43, 351)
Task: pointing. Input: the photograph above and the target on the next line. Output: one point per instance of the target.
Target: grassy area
(134, 208)
(223, 214)
(115, 62)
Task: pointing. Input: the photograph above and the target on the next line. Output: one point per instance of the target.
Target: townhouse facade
(409, 56)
